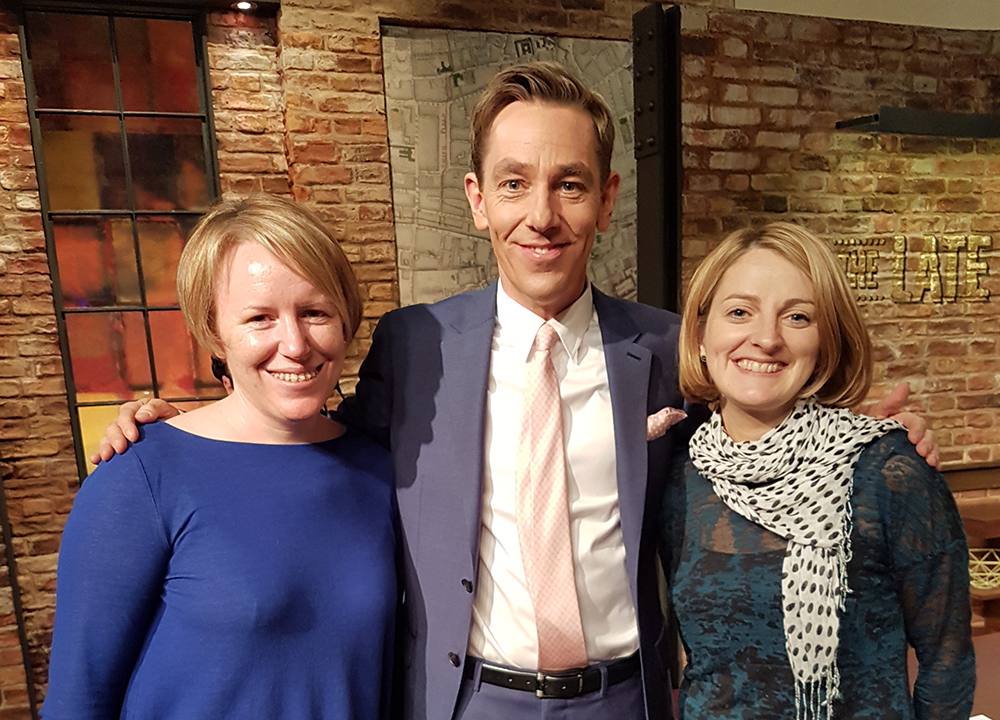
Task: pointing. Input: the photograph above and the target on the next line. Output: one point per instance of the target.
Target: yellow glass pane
(93, 421)
(84, 164)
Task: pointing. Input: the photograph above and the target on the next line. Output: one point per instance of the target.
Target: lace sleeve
(931, 565)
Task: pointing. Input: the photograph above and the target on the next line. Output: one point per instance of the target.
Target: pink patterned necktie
(543, 515)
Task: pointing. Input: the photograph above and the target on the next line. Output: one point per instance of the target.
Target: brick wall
(14, 702)
(36, 447)
(761, 95)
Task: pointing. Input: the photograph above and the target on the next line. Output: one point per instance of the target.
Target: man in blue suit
(445, 382)
(443, 387)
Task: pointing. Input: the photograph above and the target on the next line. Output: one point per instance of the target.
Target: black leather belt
(566, 684)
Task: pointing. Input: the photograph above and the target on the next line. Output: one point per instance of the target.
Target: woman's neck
(234, 420)
(742, 426)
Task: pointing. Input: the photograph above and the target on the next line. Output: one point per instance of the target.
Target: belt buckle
(542, 685)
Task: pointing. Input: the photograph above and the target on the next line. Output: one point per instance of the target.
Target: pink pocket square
(659, 422)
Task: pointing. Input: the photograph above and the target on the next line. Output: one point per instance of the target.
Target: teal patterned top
(909, 585)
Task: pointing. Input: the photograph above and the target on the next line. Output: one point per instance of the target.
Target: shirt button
(453, 659)
(467, 584)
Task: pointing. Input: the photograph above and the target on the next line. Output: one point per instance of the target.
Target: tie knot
(546, 338)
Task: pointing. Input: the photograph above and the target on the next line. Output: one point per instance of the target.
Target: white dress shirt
(503, 620)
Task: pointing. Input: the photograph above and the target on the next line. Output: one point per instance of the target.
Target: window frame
(194, 13)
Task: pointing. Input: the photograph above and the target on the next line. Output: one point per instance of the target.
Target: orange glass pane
(109, 355)
(157, 65)
(161, 240)
(167, 157)
(83, 162)
(71, 61)
(183, 370)
(96, 261)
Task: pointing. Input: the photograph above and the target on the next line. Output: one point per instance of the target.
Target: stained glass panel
(96, 261)
(109, 355)
(182, 368)
(167, 158)
(161, 240)
(84, 164)
(71, 61)
(157, 65)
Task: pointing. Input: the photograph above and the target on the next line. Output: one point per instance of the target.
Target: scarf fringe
(814, 698)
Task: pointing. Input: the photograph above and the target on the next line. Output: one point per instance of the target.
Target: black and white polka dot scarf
(796, 481)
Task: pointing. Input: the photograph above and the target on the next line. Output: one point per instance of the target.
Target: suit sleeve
(931, 562)
(112, 566)
(370, 408)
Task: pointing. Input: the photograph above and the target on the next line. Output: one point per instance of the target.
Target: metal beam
(656, 60)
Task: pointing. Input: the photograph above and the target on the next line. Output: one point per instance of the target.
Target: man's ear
(609, 194)
(476, 201)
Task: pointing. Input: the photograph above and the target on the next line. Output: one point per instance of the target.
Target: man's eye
(512, 185)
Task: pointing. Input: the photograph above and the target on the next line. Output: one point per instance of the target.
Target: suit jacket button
(454, 660)
(467, 584)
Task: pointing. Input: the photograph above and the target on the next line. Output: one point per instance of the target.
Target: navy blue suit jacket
(422, 390)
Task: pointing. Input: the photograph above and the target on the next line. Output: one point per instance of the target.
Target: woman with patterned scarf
(806, 547)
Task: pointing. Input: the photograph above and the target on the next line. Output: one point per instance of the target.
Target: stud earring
(704, 360)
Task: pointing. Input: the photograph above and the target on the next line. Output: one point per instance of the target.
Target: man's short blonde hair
(843, 371)
(540, 82)
(286, 229)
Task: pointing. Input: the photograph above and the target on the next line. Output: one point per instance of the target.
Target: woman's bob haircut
(284, 228)
(843, 371)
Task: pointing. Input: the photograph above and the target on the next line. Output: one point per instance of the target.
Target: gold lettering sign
(859, 258)
(942, 269)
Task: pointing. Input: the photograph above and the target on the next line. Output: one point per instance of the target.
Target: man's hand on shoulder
(125, 427)
(892, 407)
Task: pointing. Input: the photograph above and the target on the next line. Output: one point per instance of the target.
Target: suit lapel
(628, 378)
(465, 352)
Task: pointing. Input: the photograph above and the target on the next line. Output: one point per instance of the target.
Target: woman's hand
(891, 406)
(125, 427)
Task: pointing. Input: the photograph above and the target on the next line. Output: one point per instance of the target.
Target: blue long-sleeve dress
(209, 579)
(909, 585)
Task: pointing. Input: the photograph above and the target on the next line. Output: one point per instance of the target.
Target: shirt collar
(521, 325)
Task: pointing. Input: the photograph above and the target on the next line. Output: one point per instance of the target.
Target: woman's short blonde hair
(286, 229)
(843, 371)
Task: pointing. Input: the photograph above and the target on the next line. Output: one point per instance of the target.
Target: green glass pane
(157, 65)
(161, 240)
(183, 370)
(167, 158)
(96, 261)
(71, 61)
(84, 164)
(109, 355)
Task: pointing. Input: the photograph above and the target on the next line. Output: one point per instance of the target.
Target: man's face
(541, 198)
